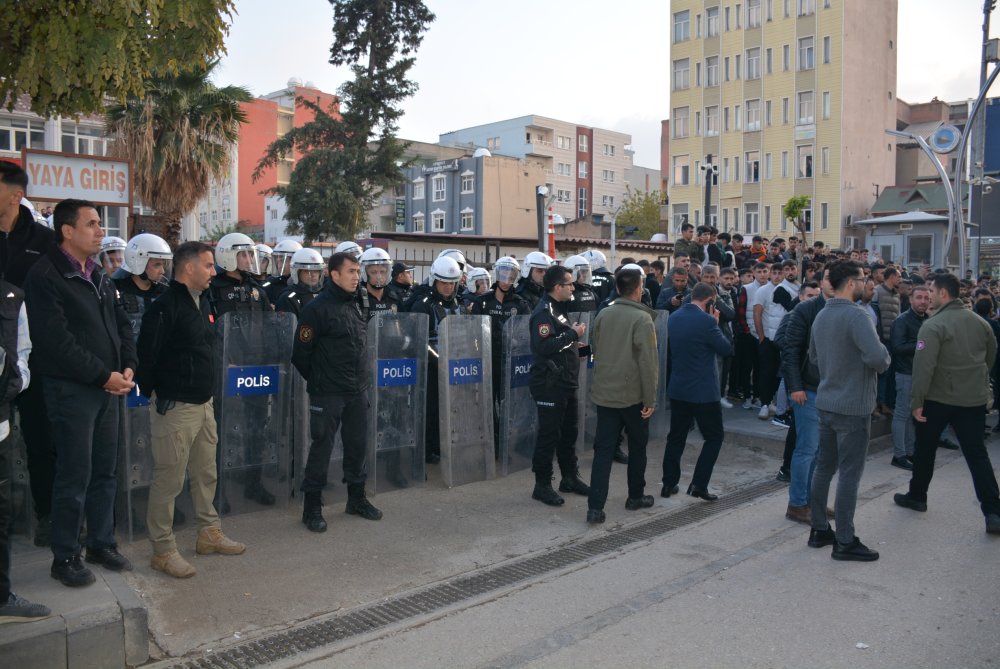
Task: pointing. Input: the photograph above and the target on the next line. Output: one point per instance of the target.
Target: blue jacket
(695, 339)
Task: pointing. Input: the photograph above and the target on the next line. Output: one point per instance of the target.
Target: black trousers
(432, 428)
(327, 414)
(610, 422)
(969, 424)
(790, 436)
(557, 431)
(6, 516)
(708, 416)
(769, 366)
(39, 445)
(746, 363)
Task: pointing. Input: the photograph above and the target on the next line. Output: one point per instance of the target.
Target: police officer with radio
(555, 343)
(331, 352)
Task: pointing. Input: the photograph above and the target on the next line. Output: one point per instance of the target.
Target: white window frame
(712, 22)
(784, 164)
(804, 163)
(681, 167)
(418, 222)
(738, 117)
(824, 160)
(827, 49)
(682, 74)
(767, 166)
(437, 220)
(468, 182)
(767, 113)
(807, 53)
(786, 57)
(753, 64)
(681, 122)
(806, 7)
(582, 169)
(468, 218)
(805, 107)
(824, 216)
(712, 128)
(439, 188)
(712, 71)
(753, 14)
(826, 105)
(419, 189)
(753, 115)
(682, 26)
(751, 162)
(768, 60)
(751, 216)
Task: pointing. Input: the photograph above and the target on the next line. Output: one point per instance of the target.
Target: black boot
(544, 493)
(571, 482)
(358, 504)
(312, 512)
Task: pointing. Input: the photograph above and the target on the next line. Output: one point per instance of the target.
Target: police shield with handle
(305, 281)
(281, 270)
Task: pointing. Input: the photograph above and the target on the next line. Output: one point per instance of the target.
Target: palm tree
(178, 137)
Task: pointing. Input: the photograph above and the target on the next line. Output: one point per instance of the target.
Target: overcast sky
(591, 62)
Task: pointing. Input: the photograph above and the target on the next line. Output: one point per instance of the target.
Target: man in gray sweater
(846, 349)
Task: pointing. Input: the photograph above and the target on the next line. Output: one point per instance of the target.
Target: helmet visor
(247, 259)
(507, 274)
(377, 275)
(158, 269)
(582, 275)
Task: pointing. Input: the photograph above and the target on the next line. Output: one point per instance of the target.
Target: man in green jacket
(954, 354)
(624, 389)
(688, 244)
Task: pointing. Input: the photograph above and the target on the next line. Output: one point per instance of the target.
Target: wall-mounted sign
(58, 176)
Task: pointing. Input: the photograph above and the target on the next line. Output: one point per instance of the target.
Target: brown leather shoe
(800, 514)
(172, 564)
(212, 540)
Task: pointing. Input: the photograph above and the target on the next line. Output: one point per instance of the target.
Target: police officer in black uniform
(282, 258)
(402, 282)
(500, 304)
(374, 295)
(304, 282)
(530, 286)
(555, 372)
(602, 281)
(438, 304)
(331, 351)
(584, 298)
(144, 275)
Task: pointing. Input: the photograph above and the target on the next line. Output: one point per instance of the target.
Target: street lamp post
(710, 171)
(540, 194)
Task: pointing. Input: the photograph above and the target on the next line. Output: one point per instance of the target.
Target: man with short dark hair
(86, 354)
(903, 345)
(954, 354)
(689, 245)
(671, 298)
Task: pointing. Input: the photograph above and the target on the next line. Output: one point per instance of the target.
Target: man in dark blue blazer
(695, 341)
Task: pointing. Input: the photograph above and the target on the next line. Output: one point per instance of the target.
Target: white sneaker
(755, 404)
(748, 403)
(726, 404)
(764, 413)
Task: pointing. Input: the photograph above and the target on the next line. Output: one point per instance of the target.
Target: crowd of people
(814, 340)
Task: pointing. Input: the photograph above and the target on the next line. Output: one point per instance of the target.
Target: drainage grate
(283, 645)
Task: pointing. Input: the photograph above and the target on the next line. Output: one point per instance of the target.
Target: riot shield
(253, 409)
(518, 416)
(465, 411)
(397, 349)
(660, 420)
(586, 413)
(302, 436)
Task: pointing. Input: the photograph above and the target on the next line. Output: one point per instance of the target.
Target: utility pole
(710, 171)
(977, 168)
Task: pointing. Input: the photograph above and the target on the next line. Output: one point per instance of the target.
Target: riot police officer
(144, 275)
(555, 343)
(477, 282)
(438, 304)
(350, 248)
(530, 285)
(305, 281)
(402, 282)
(264, 254)
(374, 295)
(584, 298)
(112, 253)
(602, 280)
(424, 289)
(280, 268)
(500, 304)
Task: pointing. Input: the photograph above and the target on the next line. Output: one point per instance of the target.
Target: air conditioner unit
(905, 226)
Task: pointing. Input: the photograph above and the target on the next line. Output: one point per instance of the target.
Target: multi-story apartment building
(788, 97)
(585, 168)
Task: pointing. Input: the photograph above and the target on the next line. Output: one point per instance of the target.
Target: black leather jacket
(793, 340)
(903, 340)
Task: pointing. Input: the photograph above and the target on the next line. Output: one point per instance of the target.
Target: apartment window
(767, 113)
(784, 164)
(697, 124)
(437, 221)
(736, 168)
(725, 119)
(582, 203)
(824, 215)
(468, 219)
(418, 190)
(805, 107)
(737, 119)
(826, 4)
(739, 15)
(581, 169)
(564, 142)
(753, 115)
(752, 213)
(682, 26)
(726, 176)
(767, 218)
(784, 110)
(786, 8)
(492, 143)
(215, 215)
(753, 13)
(804, 161)
(682, 79)
(725, 218)
(608, 176)
(468, 181)
(770, 10)
(418, 222)
(785, 57)
(712, 21)
(807, 217)
(725, 68)
(824, 160)
(712, 71)
(806, 61)
(582, 144)
(682, 170)
(826, 50)
(697, 73)
(713, 217)
(564, 195)
(752, 167)
(697, 20)
(739, 67)
(609, 149)
(681, 122)
(753, 63)
(608, 201)
(680, 216)
(767, 165)
(806, 7)
(564, 169)
(826, 104)
(727, 19)
(439, 188)
(711, 121)
(86, 140)
(697, 173)
(767, 61)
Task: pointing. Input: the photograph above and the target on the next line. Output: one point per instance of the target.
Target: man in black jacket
(175, 346)
(331, 352)
(86, 354)
(555, 372)
(903, 346)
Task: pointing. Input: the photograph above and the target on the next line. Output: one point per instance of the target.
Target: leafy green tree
(178, 136)
(640, 210)
(793, 211)
(350, 154)
(68, 55)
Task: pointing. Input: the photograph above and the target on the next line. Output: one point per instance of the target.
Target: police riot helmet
(455, 255)
(537, 260)
(264, 258)
(596, 259)
(237, 249)
(580, 268)
(349, 247)
(446, 270)
(376, 264)
(282, 255)
(507, 270)
(109, 245)
(476, 274)
(308, 260)
(145, 247)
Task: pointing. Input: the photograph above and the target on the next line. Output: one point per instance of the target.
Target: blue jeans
(804, 456)
(904, 436)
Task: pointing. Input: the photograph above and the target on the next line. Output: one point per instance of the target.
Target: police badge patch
(305, 334)
(544, 330)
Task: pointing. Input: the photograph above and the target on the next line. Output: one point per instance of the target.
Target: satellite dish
(482, 153)
(945, 139)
